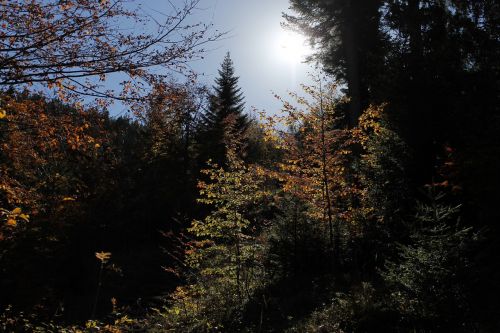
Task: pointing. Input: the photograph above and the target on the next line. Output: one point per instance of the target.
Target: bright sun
(292, 47)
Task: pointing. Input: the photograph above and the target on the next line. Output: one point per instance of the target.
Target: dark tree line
(435, 64)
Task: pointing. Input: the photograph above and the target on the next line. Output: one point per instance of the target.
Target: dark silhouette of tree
(225, 119)
(348, 41)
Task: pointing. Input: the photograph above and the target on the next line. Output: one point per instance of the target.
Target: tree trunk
(350, 45)
(326, 183)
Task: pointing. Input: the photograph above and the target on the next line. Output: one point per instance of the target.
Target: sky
(266, 57)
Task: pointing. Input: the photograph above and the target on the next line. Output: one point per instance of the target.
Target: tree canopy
(76, 45)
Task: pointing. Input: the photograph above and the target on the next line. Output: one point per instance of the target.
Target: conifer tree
(347, 37)
(225, 114)
(428, 281)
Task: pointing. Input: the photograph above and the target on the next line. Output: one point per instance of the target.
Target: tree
(317, 163)
(384, 187)
(395, 52)
(40, 140)
(172, 120)
(75, 45)
(348, 41)
(428, 279)
(54, 160)
(226, 255)
(225, 114)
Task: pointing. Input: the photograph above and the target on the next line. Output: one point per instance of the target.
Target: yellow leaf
(68, 199)
(103, 256)
(3, 114)
(16, 210)
(11, 222)
(97, 145)
(91, 324)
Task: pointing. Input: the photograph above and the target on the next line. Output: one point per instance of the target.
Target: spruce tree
(428, 283)
(225, 117)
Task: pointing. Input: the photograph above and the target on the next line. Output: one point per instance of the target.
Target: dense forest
(366, 204)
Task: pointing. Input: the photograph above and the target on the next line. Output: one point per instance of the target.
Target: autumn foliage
(367, 203)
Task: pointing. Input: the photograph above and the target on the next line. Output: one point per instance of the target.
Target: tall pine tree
(225, 119)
